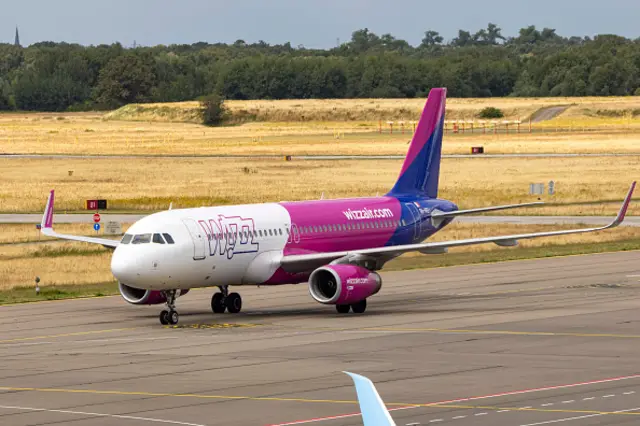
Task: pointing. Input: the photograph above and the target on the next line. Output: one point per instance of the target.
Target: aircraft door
(415, 219)
(197, 236)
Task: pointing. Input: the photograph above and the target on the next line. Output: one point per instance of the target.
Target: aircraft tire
(234, 303)
(217, 303)
(343, 309)
(173, 317)
(360, 307)
(164, 317)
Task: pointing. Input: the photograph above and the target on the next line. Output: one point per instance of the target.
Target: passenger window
(168, 238)
(141, 239)
(157, 239)
(126, 239)
(280, 231)
(270, 234)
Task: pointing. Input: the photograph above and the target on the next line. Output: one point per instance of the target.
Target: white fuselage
(231, 245)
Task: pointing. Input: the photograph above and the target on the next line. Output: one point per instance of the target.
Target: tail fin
(374, 412)
(421, 168)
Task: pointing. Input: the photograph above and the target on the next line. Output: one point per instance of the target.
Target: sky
(312, 23)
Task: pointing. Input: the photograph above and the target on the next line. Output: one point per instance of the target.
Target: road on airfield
(521, 343)
(520, 220)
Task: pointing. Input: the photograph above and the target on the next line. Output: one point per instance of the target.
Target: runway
(536, 342)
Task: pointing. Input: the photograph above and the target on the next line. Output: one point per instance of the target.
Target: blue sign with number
(96, 226)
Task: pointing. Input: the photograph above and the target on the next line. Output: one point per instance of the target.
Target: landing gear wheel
(170, 316)
(343, 309)
(234, 303)
(217, 303)
(360, 307)
(173, 317)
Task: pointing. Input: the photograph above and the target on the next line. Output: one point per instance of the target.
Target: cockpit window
(141, 239)
(157, 238)
(168, 238)
(126, 239)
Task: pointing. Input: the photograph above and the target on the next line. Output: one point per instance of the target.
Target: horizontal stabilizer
(437, 216)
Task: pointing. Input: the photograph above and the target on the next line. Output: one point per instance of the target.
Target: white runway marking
(589, 398)
(569, 401)
(114, 416)
(608, 396)
(629, 393)
(548, 404)
(459, 417)
(569, 419)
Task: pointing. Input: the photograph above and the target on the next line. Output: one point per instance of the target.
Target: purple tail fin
(421, 168)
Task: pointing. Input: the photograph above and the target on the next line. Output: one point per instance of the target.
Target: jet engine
(137, 296)
(343, 284)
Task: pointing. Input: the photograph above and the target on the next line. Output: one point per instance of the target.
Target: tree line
(51, 76)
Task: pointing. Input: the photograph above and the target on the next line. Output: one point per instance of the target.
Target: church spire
(17, 40)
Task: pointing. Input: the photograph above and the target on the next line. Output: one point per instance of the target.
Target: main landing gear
(357, 308)
(170, 317)
(231, 302)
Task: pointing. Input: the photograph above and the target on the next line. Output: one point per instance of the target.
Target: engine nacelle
(137, 296)
(343, 284)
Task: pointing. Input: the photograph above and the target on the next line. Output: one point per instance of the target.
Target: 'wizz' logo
(229, 235)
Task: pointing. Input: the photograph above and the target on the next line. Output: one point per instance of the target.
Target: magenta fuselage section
(322, 226)
(337, 225)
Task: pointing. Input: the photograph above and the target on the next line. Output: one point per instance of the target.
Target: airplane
(337, 246)
(372, 408)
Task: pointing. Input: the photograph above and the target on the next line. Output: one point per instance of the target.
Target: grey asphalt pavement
(521, 343)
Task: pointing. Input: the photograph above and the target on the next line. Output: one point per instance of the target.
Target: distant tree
(490, 36)
(213, 109)
(363, 40)
(464, 39)
(491, 112)
(431, 38)
(6, 101)
(125, 79)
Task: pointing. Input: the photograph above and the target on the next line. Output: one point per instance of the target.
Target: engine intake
(343, 284)
(137, 296)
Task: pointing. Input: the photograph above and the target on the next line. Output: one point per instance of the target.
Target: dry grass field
(378, 109)
(148, 185)
(594, 125)
(65, 263)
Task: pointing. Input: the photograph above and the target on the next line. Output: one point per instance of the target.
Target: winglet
(47, 217)
(625, 205)
(374, 412)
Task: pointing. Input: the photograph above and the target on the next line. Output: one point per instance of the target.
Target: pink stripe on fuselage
(337, 225)
(431, 115)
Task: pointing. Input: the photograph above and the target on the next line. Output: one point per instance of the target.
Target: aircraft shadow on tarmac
(411, 305)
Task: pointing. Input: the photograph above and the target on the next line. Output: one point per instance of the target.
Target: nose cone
(123, 266)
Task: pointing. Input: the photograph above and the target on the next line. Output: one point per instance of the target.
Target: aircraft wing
(374, 412)
(305, 262)
(46, 228)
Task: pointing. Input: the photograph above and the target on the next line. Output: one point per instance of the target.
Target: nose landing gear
(171, 316)
(225, 301)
